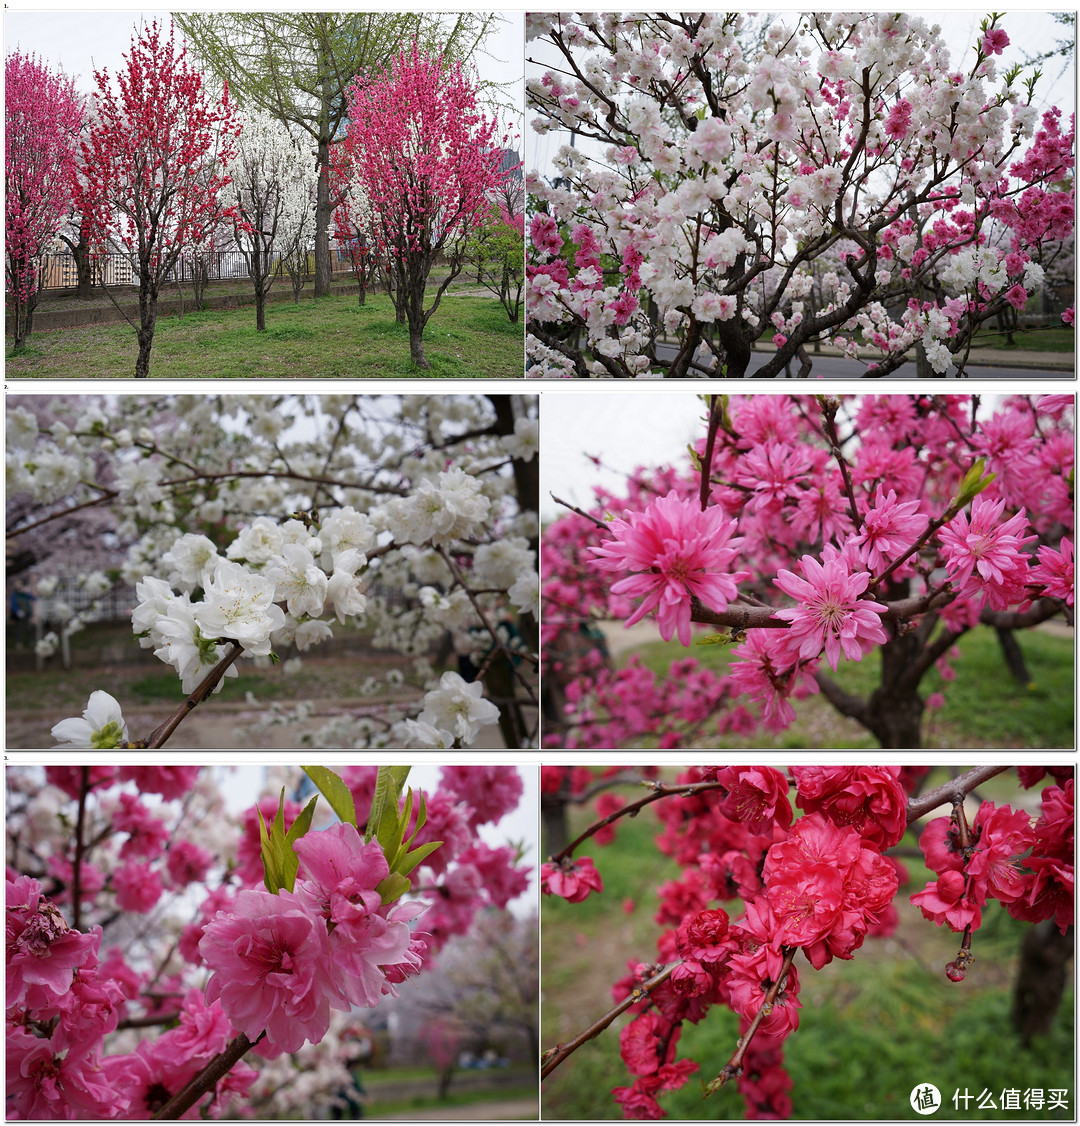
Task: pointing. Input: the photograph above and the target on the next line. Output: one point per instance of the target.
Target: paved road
(838, 367)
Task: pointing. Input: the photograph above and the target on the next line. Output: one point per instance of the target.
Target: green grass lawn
(984, 705)
(468, 337)
(1058, 339)
(871, 1028)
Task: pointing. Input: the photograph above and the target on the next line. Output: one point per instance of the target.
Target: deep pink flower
(984, 555)
(340, 876)
(491, 792)
(571, 879)
(676, 552)
(830, 614)
(1056, 572)
(502, 879)
(187, 863)
(147, 833)
(138, 887)
(270, 959)
(46, 1084)
(995, 41)
(944, 900)
(43, 952)
(889, 529)
(171, 782)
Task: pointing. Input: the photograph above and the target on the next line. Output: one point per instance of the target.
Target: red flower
(573, 880)
(868, 798)
(757, 796)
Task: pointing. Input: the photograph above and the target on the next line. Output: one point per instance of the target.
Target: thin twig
(563, 1051)
(209, 1077)
(161, 733)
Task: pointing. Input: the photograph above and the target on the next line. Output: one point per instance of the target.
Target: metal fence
(58, 270)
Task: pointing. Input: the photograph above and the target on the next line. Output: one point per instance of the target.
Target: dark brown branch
(209, 1077)
(947, 794)
(556, 1056)
(731, 1069)
(161, 733)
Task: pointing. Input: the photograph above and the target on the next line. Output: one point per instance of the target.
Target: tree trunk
(84, 272)
(895, 708)
(1014, 656)
(1040, 979)
(416, 345)
(147, 324)
(322, 197)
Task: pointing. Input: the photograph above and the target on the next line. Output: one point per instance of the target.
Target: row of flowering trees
(765, 896)
(826, 177)
(165, 169)
(252, 526)
(809, 533)
(170, 957)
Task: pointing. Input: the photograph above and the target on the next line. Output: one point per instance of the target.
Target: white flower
(298, 580)
(189, 559)
(311, 633)
(500, 563)
(439, 513)
(102, 725)
(139, 482)
(346, 529)
(181, 643)
(257, 542)
(239, 606)
(458, 707)
(416, 734)
(524, 442)
(525, 594)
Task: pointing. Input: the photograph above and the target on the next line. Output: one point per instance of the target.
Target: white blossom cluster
(338, 512)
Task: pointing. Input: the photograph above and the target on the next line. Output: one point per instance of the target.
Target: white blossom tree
(274, 184)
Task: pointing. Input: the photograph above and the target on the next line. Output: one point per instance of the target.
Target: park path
(494, 1110)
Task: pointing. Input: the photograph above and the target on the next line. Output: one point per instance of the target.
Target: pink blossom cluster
(814, 556)
(813, 883)
(1028, 868)
(279, 964)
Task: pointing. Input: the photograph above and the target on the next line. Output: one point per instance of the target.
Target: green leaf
(412, 859)
(384, 803)
(335, 791)
(290, 861)
(975, 480)
(393, 887)
(273, 845)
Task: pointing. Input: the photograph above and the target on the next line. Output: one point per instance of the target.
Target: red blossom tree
(155, 166)
(41, 123)
(427, 159)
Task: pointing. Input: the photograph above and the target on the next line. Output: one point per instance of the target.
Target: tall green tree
(296, 66)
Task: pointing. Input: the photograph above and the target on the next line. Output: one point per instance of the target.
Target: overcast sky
(82, 41)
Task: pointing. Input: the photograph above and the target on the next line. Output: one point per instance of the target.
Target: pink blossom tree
(42, 118)
(427, 159)
(710, 173)
(155, 166)
(810, 531)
